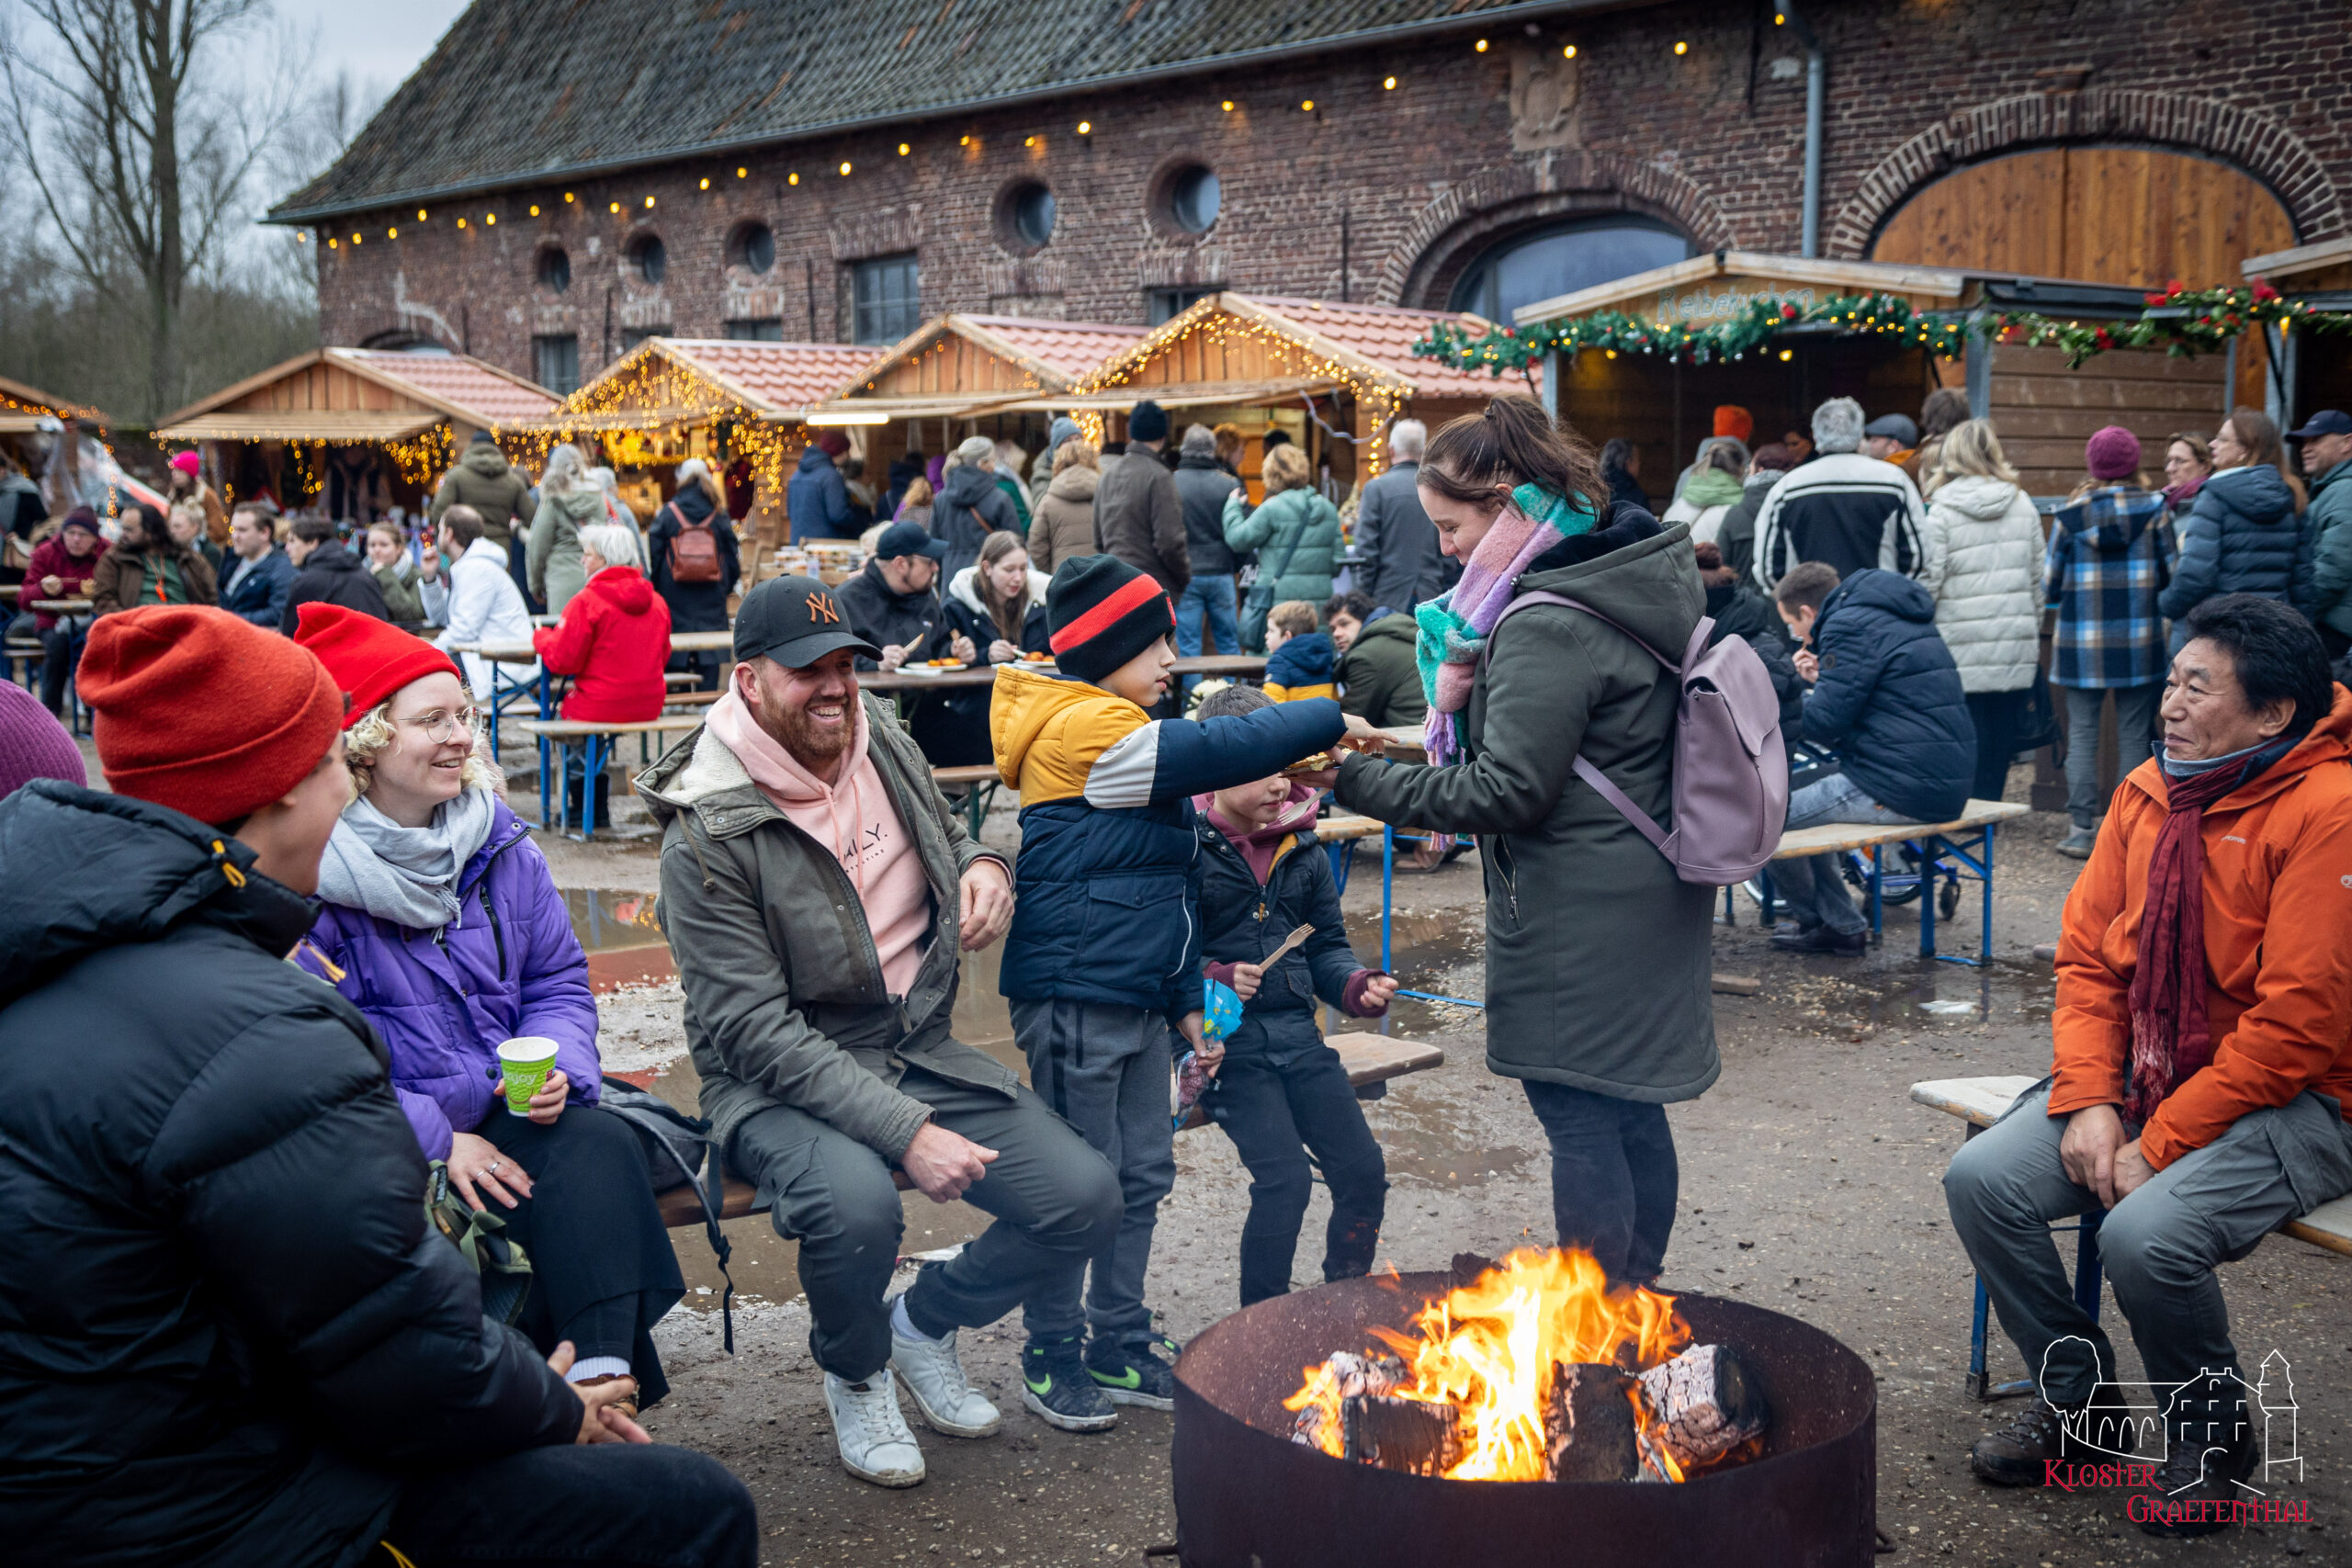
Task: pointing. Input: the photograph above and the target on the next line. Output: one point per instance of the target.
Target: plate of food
(1315, 764)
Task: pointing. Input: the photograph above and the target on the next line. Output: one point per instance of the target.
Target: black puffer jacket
(970, 506)
(1889, 698)
(1740, 612)
(223, 1320)
(1242, 920)
(332, 575)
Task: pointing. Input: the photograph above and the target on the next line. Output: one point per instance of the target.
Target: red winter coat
(51, 558)
(614, 637)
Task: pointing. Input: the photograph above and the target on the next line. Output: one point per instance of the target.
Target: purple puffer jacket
(443, 1000)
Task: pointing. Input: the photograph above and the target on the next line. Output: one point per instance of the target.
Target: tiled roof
(782, 375)
(454, 379)
(1069, 349)
(1385, 335)
(527, 90)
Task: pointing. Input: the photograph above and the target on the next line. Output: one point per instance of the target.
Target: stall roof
(1311, 346)
(1666, 283)
(361, 394)
(957, 365)
(22, 408)
(2302, 260)
(778, 382)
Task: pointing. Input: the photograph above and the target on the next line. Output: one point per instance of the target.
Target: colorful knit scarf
(2171, 1038)
(1455, 625)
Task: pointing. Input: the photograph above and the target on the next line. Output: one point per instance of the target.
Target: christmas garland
(2184, 322)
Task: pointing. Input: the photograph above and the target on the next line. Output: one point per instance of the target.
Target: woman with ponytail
(1577, 901)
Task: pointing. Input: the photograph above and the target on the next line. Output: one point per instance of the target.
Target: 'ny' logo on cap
(820, 608)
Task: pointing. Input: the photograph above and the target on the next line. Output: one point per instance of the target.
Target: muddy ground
(1809, 1185)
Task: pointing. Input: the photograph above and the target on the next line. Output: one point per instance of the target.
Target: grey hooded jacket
(786, 1003)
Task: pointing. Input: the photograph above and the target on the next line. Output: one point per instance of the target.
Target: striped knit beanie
(1102, 612)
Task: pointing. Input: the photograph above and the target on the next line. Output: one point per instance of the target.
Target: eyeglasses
(442, 725)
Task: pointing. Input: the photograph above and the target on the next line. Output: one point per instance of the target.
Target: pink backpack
(1731, 770)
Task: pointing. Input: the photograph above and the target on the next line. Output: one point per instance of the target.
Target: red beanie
(1735, 422)
(368, 658)
(204, 712)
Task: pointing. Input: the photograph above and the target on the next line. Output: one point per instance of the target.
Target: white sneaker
(934, 1375)
(873, 1436)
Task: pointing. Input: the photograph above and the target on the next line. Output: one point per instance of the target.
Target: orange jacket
(2277, 945)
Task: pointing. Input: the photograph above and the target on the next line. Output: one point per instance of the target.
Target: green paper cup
(526, 1063)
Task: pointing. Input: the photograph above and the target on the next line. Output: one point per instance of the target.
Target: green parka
(1302, 514)
(557, 574)
(786, 1003)
(1597, 953)
(1378, 679)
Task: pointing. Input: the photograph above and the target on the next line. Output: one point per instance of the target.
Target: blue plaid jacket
(2111, 554)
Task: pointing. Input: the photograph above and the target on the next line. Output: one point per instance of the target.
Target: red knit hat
(368, 658)
(1735, 422)
(204, 712)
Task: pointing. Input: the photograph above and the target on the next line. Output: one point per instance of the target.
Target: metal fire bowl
(1249, 1497)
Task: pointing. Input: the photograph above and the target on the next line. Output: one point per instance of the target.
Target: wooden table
(525, 653)
(63, 606)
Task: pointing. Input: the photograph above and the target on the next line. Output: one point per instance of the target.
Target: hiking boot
(2209, 1446)
(934, 1374)
(1824, 939)
(1132, 1373)
(875, 1443)
(2017, 1454)
(2078, 843)
(1055, 1387)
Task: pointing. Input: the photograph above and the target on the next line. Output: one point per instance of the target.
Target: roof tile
(454, 379)
(785, 375)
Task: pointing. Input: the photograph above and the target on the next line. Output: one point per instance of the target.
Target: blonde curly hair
(374, 730)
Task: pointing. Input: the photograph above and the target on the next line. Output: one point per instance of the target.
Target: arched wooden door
(2128, 215)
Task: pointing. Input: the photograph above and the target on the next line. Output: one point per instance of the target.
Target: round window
(752, 247)
(555, 269)
(1032, 214)
(1194, 200)
(648, 257)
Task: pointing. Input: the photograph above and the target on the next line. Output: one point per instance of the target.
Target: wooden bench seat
(692, 699)
(1371, 1060)
(965, 774)
(568, 729)
(1856, 836)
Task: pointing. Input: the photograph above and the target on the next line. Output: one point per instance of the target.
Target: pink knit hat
(2112, 453)
(186, 462)
(33, 745)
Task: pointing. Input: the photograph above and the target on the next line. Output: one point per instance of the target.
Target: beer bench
(970, 788)
(1371, 1060)
(596, 736)
(1966, 839)
(1979, 1103)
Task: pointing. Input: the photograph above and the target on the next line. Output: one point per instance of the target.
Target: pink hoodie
(854, 819)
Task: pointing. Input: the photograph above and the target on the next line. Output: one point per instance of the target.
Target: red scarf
(2170, 1037)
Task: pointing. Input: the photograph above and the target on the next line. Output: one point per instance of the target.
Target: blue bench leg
(591, 770)
(1878, 891)
(1343, 859)
(1928, 898)
(1985, 945)
(544, 817)
(1387, 889)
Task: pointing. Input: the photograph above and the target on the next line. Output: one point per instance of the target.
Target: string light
(792, 179)
(420, 215)
(1086, 128)
(1308, 106)
(334, 244)
(706, 181)
(1482, 46)
(1569, 53)
(392, 234)
(535, 210)
(461, 222)
(491, 218)
(1682, 47)
(1388, 84)
(1787, 355)
(1028, 141)
(355, 239)
(844, 170)
(966, 141)
(648, 201)
(904, 149)
(616, 206)
(567, 196)
(687, 403)
(1229, 105)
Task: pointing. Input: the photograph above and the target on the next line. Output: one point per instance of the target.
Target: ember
(1533, 1369)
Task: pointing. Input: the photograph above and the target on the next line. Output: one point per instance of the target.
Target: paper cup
(526, 1063)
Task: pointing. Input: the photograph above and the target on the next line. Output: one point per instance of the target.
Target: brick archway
(2260, 145)
(1444, 235)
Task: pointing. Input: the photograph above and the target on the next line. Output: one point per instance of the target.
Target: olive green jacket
(1378, 678)
(786, 1003)
(1597, 953)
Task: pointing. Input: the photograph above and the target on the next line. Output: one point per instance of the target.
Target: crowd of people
(229, 1180)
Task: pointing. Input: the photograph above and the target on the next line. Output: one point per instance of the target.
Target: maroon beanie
(33, 745)
(2112, 453)
(204, 712)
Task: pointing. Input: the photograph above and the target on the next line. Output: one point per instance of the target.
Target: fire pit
(1802, 1492)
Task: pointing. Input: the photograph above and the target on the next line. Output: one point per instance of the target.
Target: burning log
(1346, 1376)
(1400, 1434)
(1706, 1402)
(1589, 1424)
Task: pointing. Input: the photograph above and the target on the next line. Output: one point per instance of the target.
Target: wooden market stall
(741, 406)
(1330, 374)
(1838, 340)
(958, 376)
(353, 432)
(2309, 370)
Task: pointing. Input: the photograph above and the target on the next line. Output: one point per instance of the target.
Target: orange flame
(1488, 1350)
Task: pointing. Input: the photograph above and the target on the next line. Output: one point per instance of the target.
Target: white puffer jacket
(1987, 604)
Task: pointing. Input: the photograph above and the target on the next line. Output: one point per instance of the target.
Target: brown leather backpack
(694, 550)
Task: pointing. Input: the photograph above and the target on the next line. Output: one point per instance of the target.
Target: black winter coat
(1739, 611)
(1242, 921)
(332, 575)
(694, 606)
(1201, 488)
(969, 507)
(2240, 536)
(888, 619)
(1889, 698)
(224, 1322)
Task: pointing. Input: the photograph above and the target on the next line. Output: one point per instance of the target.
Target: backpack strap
(1540, 596)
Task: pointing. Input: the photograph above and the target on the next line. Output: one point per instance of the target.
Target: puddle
(605, 919)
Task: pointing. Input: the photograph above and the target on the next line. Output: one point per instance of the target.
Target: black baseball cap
(909, 539)
(2326, 422)
(795, 620)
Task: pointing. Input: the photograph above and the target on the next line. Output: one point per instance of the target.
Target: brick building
(562, 177)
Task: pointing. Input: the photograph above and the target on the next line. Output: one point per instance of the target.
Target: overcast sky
(379, 44)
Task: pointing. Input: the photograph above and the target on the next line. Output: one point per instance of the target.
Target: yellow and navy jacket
(1108, 879)
(1302, 668)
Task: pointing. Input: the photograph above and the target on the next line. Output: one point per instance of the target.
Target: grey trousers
(2136, 719)
(2159, 1246)
(1106, 1069)
(1054, 1201)
(1813, 887)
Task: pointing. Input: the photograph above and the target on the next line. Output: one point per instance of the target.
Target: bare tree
(141, 150)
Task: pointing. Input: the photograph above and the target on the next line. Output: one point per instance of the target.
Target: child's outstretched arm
(1170, 759)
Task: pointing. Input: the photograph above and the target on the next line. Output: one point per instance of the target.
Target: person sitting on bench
(614, 640)
(440, 921)
(816, 890)
(1886, 695)
(2202, 1072)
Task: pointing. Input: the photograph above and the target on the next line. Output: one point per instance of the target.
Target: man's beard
(811, 744)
